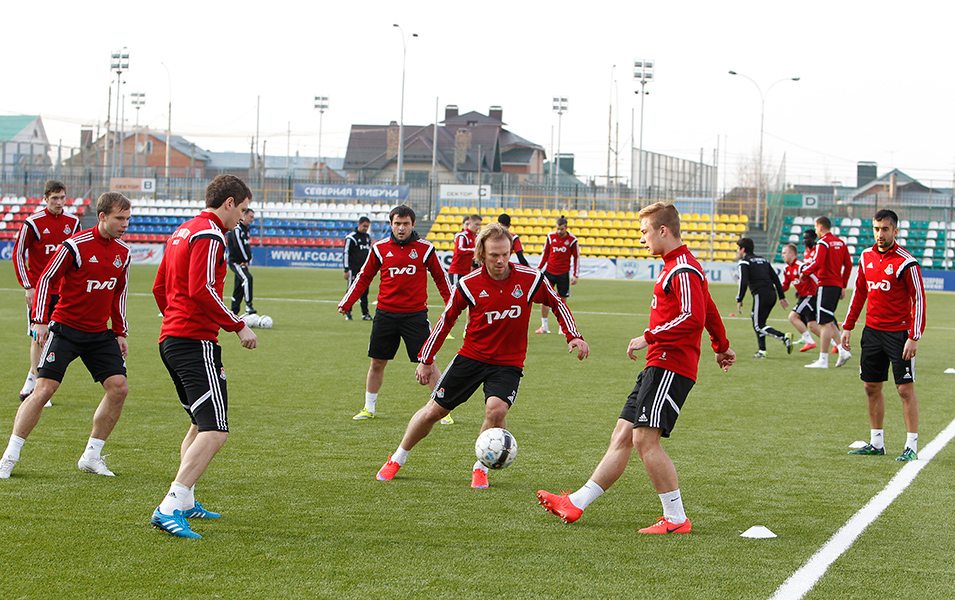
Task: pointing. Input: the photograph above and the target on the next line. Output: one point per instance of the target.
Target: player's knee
(116, 387)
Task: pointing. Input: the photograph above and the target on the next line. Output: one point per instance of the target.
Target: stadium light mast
(560, 107)
(762, 115)
(138, 100)
(119, 62)
(168, 124)
(642, 72)
(321, 105)
(401, 119)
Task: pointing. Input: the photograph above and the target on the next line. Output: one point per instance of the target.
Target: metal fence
(508, 191)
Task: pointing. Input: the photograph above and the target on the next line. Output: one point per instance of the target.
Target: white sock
(13, 448)
(876, 438)
(191, 498)
(824, 357)
(673, 507)
(835, 345)
(94, 448)
(544, 324)
(807, 337)
(175, 499)
(28, 385)
(912, 441)
(400, 456)
(370, 400)
(587, 494)
(479, 465)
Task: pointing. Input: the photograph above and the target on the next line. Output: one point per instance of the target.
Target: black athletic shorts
(827, 300)
(879, 348)
(197, 372)
(657, 398)
(463, 376)
(805, 307)
(99, 352)
(388, 329)
(561, 283)
(51, 304)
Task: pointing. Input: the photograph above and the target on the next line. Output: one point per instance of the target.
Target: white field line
(802, 581)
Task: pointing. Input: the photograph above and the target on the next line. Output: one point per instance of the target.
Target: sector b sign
(132, 184)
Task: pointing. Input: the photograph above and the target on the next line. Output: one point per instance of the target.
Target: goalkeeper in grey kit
(756, 273)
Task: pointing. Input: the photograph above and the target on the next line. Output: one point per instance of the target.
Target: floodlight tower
(762, 115)
(401, 120)
(138, 100)
(119, 62)
(559, 107)
(321, 105)
(642, 72)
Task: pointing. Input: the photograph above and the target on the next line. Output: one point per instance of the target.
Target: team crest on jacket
(66, 230)
(222, 373)
(118, 262)
(413, 255)
(889, 270)
(518, 292)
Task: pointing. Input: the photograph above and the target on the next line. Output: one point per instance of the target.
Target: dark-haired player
(188, 290)
(357, 246)
(403, 260)
(560, 264)
(39, 237)
(889, 284)
(91, 271)
(832, 266)
(239, 243)
(680, 309)
(759, 276)
(462, 259)
(498, 298)
(518, 248)
(803, 314)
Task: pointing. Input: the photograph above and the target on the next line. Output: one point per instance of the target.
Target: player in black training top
(357, 246)
(756, 273)
(239, 242)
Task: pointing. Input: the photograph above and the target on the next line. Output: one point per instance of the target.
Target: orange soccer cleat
(559, 505)
(479, 479)
(807, 347)
(664, 526)
(387, 472)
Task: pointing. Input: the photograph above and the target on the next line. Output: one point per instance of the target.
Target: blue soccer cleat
(175, 524)
(198, 512)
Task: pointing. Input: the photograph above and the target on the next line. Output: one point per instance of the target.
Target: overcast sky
(874, 82)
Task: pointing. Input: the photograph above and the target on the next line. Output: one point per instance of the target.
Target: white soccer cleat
(821, 363)
(6, 466)
(94, 465)
(844, 357)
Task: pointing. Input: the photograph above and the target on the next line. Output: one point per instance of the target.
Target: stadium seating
(15, 210)
(316, 225)
(610, 234)
(932, 242)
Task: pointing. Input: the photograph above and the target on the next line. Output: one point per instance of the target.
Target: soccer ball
(252, 320)
(265, 322)
(496, 448)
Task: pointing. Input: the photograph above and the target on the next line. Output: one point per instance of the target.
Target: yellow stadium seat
(744, 218)
(734, 218)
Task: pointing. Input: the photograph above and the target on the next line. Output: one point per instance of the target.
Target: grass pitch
(304, 517)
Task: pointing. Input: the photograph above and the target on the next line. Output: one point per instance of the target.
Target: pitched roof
(11, 125)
